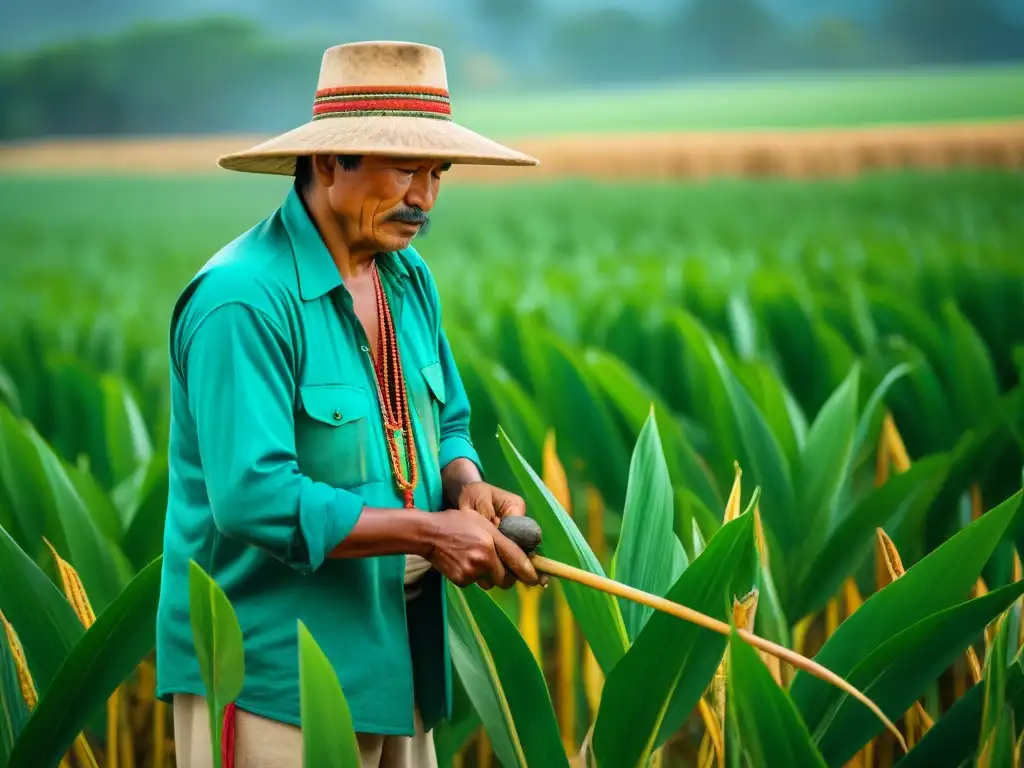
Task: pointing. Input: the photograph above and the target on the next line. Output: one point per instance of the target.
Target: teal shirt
(275, 446)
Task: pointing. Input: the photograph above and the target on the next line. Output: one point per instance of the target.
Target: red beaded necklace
(393, 397)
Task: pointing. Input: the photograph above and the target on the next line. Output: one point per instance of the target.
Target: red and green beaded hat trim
(382, 101)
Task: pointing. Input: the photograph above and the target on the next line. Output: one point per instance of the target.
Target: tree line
(231, 74)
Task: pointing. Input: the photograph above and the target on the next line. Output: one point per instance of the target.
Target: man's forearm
(456, 475)
(388, 532)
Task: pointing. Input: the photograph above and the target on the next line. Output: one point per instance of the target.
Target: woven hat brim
(394, 136)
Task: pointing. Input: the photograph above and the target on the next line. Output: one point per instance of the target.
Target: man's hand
(491, 502)
(467, 548)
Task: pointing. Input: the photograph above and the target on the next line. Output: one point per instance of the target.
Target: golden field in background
(802, 153)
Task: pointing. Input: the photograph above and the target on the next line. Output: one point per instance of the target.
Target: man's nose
(422, 192)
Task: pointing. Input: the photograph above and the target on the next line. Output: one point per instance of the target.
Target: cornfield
(796, 408)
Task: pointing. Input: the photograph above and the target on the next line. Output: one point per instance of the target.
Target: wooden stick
(612, 587)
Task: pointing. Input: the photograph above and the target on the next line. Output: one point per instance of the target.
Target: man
(321, 468)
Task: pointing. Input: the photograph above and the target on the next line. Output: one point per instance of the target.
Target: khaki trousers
(264, 743)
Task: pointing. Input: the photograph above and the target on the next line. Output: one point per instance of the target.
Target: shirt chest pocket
(336, 435)
(431, 396)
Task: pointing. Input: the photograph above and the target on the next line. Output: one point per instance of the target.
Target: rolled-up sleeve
(237, 363)
(456, 442)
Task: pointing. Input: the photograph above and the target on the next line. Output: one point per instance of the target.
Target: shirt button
(337, 415)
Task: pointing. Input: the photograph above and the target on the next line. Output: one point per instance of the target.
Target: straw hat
(378, 98)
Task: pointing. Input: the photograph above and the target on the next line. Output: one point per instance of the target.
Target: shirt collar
(317, 272)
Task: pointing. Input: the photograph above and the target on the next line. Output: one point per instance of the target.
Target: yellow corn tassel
(800, 633)
(75, 593)
(25, 681)
(73, 588)
(113, 742)
(529, 618)
(977, 504)
(555, 479)
(732, 506)
(712, 744)
(743, 615)
(1018, 574)
(30, 693)
(916, 720)
(593, 677)
(852, 601)
(595, 523)
(762, 545)
(593, 680)
(832, 616)
(484, 753)
(566, 629)
(896, 449)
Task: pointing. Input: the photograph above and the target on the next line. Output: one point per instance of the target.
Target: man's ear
(323, 168)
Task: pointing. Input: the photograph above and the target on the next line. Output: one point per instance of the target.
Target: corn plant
(900, 640)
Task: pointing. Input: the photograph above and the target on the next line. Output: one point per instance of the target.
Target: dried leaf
(25, 681)
(74, 591)
(712, 733)
(732, 506)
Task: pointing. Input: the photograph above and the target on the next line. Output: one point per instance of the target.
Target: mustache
(411, 215)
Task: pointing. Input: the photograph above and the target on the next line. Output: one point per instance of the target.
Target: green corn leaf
(328, 737)
(955, 736)
(767, 462)
(905, 496)
(97, 503)
(998, 750)
(995, 684)
(869, 426)
(217, 637)
(572, 404)
(656, 685)
(694, 516)
(21, 483)
(144, 536)
(896, 673)
(649, 556)
(707, 400)
(918, 401)
(777, 405)
(451, 735)
(973, 395)
(826, 458)
(14, 712)
(597, 613)
(44, 620)
(770, 729)
(934, 584)
(503, 681)
(972, 459)
(127, 440)
(80, 540)
(105, 655)
(633, 398)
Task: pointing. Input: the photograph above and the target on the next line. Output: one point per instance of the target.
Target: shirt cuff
(458, 447)
(326, 517)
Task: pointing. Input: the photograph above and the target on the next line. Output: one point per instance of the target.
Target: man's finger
(484, 506)
(511, 506)
(497, 570)
(517, 560)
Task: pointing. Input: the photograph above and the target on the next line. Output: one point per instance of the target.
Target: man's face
(384, 202)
